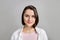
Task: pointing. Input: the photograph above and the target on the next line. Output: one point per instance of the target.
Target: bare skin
(29, 19)
(28, 30)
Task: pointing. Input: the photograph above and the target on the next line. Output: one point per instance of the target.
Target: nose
(30, 19)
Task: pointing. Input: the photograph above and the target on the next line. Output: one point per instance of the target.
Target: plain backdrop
(49, 17)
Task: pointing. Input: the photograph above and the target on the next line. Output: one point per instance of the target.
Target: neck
(27, 27)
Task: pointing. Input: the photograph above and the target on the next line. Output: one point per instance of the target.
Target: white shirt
(17, 35)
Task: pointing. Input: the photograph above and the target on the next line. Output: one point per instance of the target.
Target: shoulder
(42, 33)
(15, 33)
(40, 30)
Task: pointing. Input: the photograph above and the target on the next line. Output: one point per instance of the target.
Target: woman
(30, 31)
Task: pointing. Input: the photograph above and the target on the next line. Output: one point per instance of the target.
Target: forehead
(29, 12)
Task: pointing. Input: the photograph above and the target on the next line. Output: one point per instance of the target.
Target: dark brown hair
(35, 13)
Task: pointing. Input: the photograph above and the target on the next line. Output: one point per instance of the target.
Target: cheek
(25, 19)
(33, 20)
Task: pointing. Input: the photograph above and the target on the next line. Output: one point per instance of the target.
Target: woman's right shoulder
(16, 32)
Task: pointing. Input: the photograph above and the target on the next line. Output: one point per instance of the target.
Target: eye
(26, 15)
(33, 16)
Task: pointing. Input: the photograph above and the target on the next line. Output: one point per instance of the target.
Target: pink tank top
(29, 36)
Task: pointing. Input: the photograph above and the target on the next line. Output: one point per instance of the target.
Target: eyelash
(33, 16)
(28, 16)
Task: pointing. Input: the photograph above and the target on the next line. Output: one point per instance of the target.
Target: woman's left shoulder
(38, 29)
(42, 33)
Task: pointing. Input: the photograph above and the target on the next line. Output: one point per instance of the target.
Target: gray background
(10, 16)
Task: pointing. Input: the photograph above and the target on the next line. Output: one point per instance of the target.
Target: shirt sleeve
(44, 35)
(15, 34)
(13, 37)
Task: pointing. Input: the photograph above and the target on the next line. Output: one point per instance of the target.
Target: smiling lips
(29, 22)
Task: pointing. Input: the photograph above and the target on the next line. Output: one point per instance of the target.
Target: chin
(29, 25)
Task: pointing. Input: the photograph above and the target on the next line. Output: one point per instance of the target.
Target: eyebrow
(27, 14)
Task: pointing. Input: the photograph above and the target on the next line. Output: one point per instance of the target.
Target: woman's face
(29, 17)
